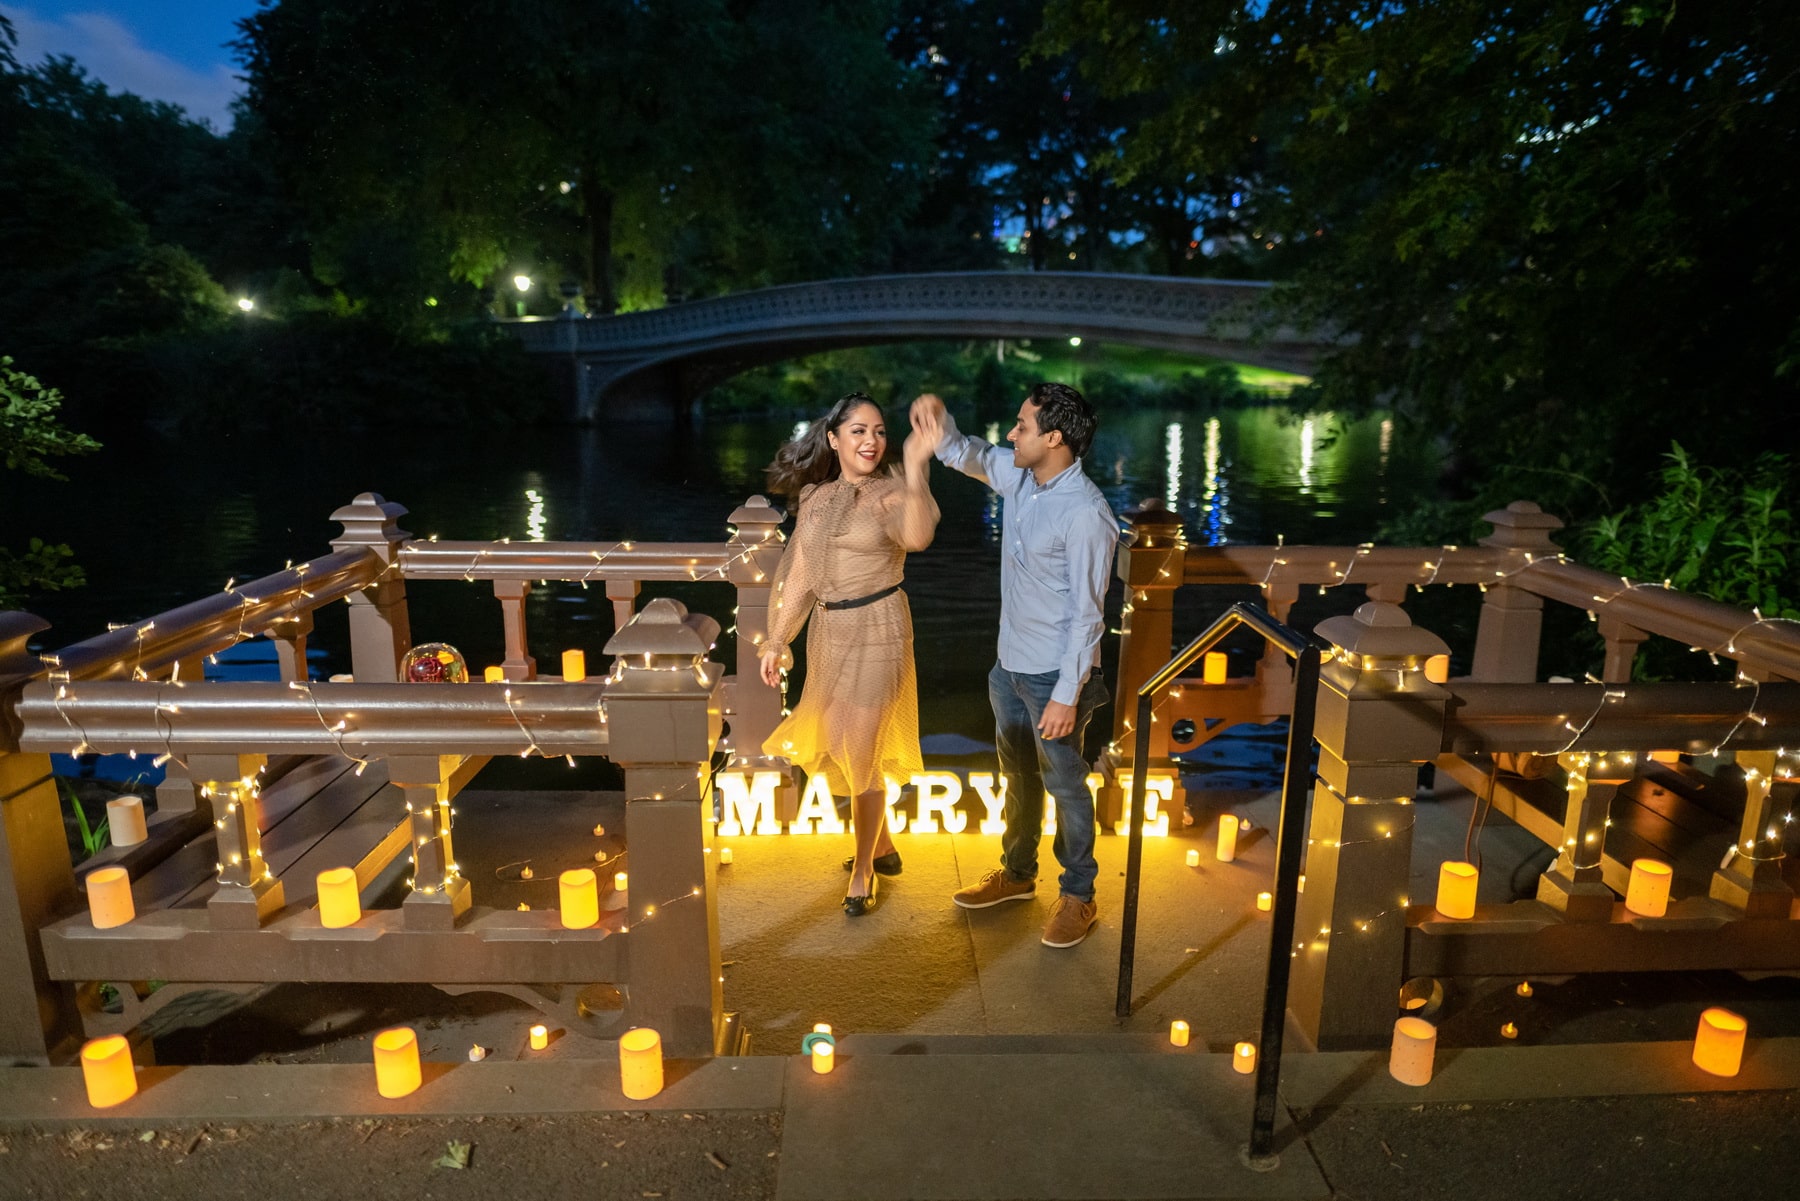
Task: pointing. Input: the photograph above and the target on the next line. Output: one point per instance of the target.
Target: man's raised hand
(927, 432)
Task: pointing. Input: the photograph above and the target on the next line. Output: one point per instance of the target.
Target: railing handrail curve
(1307, 652)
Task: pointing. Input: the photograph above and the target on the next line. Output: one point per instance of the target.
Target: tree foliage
(1554, 232)
(687, 145)
(1724, 533)
(30, 436)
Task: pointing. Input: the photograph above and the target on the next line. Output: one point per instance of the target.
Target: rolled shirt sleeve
(978, 458)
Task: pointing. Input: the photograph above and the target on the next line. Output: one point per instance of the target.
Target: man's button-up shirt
(1058, 541)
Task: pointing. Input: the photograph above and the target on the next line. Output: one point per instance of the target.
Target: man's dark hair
(1067, 411)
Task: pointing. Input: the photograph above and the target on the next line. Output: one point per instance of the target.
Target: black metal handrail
(1290, 841)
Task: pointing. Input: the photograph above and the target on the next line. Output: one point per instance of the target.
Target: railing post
(248, 893)
(1574, 884)
(380, 631)
(1273, 676)
(662, 722)
(1512, 619)
(37, 882)
(1378, 719)
(756, 549)
(518, 664)
(1150, 562)
(1622, 642)
(177, 793)
(623, 594)
(440, 892)
(1751, 881)
(289, 637)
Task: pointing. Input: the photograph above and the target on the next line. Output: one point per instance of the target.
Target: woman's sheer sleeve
(911, 514)
(794, 588)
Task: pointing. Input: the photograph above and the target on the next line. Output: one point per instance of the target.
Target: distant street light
(245, 303)
(1074, 341)
(522, 282)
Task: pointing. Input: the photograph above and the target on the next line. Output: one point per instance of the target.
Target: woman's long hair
(809, 459)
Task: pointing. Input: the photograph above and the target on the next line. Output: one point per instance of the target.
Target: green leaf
(457, 1156)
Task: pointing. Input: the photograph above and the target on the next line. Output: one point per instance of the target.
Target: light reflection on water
(156, 526)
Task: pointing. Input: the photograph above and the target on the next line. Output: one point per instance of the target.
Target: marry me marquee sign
(747, 804)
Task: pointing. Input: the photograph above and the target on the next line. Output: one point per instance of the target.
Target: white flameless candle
(107, 1071)
(125, 818)
(109, 897)
(640, 1063)
(580, 899)
(1719, 1042)
(340, 903)
(1414, 1047)
(396, 1062)
(1457, 883)
(1228, 834)
(1648, 892)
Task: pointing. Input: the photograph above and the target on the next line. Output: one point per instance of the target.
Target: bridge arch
(635, 363)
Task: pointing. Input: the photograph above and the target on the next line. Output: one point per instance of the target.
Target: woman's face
(860, 442)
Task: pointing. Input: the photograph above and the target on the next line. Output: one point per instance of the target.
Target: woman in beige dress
(858, 719)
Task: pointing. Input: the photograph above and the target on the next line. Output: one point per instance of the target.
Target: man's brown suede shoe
(994, 888)
(1070, 921)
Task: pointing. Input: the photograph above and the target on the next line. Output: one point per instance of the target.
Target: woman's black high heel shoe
(858, 906)
(887, 865)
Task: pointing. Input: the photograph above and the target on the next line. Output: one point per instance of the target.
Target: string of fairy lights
(1577, 730)
(167, 709)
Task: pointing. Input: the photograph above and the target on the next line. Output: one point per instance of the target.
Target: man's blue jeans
(1033, 765)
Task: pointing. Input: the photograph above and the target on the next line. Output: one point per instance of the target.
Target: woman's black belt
(858, 602)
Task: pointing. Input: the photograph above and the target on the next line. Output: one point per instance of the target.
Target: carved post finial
(1521, 525)
(373, 522)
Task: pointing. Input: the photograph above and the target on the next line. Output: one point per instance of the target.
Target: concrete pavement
(973, 1062)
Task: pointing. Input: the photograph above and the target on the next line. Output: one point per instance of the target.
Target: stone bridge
(654, 363)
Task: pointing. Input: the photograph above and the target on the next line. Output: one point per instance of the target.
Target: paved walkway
(973, 1062)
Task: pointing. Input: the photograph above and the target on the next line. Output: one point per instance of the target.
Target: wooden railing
(377, 763)
(1387, 707)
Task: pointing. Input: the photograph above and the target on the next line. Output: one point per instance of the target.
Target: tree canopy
(637, 149)
(1557, 232)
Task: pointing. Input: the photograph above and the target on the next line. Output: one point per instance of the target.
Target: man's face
(1029, 446)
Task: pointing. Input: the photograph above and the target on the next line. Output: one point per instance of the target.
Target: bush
(1723, 533)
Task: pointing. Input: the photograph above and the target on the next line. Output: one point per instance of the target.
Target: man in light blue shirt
(1056, 558)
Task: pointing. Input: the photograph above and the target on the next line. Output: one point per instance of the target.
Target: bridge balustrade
(271, 782)
(682, 349)
(1570, 763)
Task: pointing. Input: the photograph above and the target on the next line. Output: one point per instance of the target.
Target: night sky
(170, 50)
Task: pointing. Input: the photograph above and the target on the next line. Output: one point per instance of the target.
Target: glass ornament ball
(434, 663)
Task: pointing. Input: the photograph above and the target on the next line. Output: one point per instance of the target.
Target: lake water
(156, 523)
